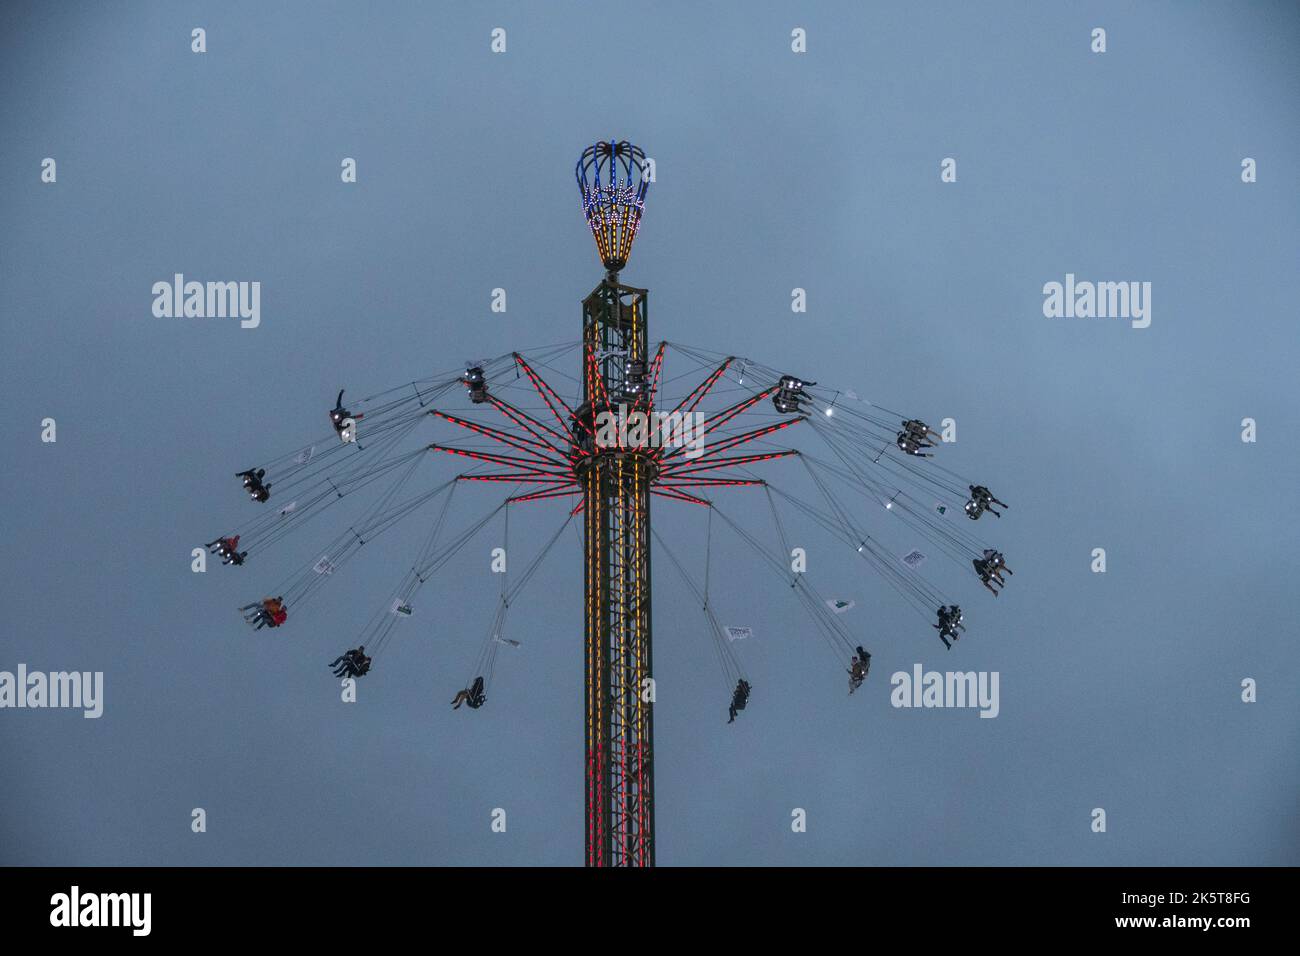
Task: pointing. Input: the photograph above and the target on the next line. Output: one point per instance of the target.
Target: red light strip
(692, 465)
(656, 367)
(505, 438)
(709, 483)
(679, 495)
(495, 459)
(527, 422)
(703, 388)
(756, 433)
(527, 479)
(548, 395)
(550, 493)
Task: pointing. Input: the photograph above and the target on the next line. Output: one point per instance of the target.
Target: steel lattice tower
(616, 482)
(615, 472)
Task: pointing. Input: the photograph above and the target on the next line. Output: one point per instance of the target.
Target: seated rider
(273, 612)
(996, 562)
(253, 484)
(739, 698)
(475, 383)
(353, 663)
(790, 395)
(223, 546)
(990, 568)
(987, 574)
(859, 665)
(949, 624)
(908, 445)
(227, 548)
(264, 612)
(981, 500)
(342, 665)
(920, 432)
(258, 609)
(472, 695)
(339, 415)
(476, 696)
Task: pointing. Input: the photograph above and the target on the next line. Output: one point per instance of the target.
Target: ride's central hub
(637, 466)
(621, 434)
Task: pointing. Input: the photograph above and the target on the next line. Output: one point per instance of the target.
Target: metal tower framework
(615, 477)
(616, 484)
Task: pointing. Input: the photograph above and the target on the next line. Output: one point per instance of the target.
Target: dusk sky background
(775, 170)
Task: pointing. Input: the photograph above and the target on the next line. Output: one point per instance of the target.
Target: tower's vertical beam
(596, 666)
(616, 485)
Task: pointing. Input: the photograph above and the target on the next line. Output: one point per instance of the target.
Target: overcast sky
(775, 170)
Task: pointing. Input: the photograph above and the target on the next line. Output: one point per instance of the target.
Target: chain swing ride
(638, 422)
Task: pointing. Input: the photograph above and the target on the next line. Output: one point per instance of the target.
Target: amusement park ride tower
(613, 449)
(616, 482)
